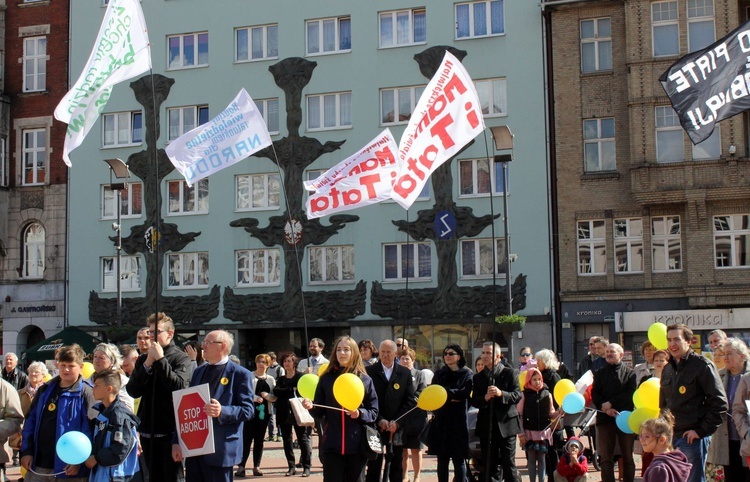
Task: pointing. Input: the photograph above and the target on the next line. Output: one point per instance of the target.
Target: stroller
(584, 422)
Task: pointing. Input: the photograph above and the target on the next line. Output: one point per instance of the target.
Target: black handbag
(371, 444)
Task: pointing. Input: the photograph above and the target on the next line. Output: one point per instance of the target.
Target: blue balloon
(573, 403)
(73, 448)
(622, 421)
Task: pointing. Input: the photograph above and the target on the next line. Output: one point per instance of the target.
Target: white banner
(361, 179)
(447, 117)
(121, 52)
(225, 140)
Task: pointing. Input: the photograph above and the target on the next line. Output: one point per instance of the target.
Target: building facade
(33, 178)
(649, 226)
(328, 78)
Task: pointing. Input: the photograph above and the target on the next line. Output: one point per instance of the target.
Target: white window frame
(130, 276)
(320, 22)
(413, 92)
(628, 235)
(700, 15)
(200, 197)
(198, 62)
(420, 251)
(596, 246)
(488, 90)
(668, 125)
(495, 170)
(267, 49)
(118, 118)
(263, 107)
(663, 243)
(599, 43)
(265, 181)
(109, 200)
(34, 258)
(710, 148)
(198, 266)
(730, 227)
(320, 99)
(395, 34)
(35, 65)
(258, 267)
(32, 153)
(672, 8)
(181, 128)
(4, 163)
(341, 276)
(603, 145)
(472, 27)
(479, 246)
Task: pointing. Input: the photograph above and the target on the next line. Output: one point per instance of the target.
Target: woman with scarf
(286, 389)
(254, 431)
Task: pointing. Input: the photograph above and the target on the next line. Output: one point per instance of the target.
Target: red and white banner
(361, 179)
(447, 117)
(195, 429)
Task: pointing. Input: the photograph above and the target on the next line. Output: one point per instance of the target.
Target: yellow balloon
(639, 416)
(657, 335)
(650, 393)
(637, 400)
(349, 391)
(87, 370)
(23, 472)
(322, 369)
(432, 398)
(522, 379)
(47, 378)
(562, 388)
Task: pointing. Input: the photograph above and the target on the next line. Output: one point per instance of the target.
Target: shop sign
(638, 321)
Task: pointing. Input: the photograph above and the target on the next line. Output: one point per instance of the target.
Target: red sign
(194, 427)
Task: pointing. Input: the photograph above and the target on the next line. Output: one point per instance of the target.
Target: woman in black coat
(448, 438)
(286, 388)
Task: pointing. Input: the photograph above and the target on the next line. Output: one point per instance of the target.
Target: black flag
(711, 85)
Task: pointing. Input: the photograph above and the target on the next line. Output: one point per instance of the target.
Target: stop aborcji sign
(194, 427)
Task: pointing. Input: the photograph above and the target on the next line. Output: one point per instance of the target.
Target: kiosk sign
(194, 427)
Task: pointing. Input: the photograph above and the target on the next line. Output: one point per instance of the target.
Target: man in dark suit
(230, 406)
(496, 394)
(396, 396)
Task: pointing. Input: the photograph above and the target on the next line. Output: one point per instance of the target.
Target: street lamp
(503, 138)
(120, 171)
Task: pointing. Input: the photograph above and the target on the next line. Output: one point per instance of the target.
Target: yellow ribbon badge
(224, 381)
(51, 407)
(396, 386)
(683, 390)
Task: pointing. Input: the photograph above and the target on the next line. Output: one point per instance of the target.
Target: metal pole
(119, 257)
(508, 286)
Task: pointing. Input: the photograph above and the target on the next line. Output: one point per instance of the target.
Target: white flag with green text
(121, 52)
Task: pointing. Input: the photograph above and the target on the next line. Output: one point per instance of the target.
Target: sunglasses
(525, 354)
(450, 353)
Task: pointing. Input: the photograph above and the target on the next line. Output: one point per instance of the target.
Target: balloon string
(407, 413)
(46, 475)
(332, 408)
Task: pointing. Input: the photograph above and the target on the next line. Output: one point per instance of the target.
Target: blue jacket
(115, 444)
(71, 416)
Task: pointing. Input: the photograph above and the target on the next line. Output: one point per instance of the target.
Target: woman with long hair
(254, 431)
(285, 390)
(343, 430)
(449, 436)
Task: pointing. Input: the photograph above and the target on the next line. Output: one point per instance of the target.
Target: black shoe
(240, 473)
(306, 473)
(291, 471)
(257, 472)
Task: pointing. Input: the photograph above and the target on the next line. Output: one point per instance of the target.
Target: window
(475, 177)
(269, 109)
(258, 191)
(480, 19)
(257, 43)
(132, 201)
(628, 245)
(188, 270)
(666, 32)
(34, 157)
(596, 45)
(599, 144)
(403, 27)
(592, 250)
(732, 241)
(670, 145)
(185, 119)
(700, 24)
(188, 200)
(329, 111)
(122, 129)
(188, 50)
(710, 148)
(398, 261)
(258, 267)
(476, 258)
(34, 64)
(329, 35)
(397, 105)
(130, 275)
(4, 167)
(492, 96)
(331, 264)
(33, 252)
(666, 244)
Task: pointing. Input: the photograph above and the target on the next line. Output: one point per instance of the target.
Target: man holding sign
(230, 405)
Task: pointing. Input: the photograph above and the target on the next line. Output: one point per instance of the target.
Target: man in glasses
(163, 369)
(592, 361)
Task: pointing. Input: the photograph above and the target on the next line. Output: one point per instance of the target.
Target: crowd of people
(125, 408)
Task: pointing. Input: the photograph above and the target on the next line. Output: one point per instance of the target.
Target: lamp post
(120, 171)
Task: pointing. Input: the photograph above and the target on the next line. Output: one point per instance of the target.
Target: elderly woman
(107, 355)
(728, 438)
(645, 370)
(368, 351)
(547, 363)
